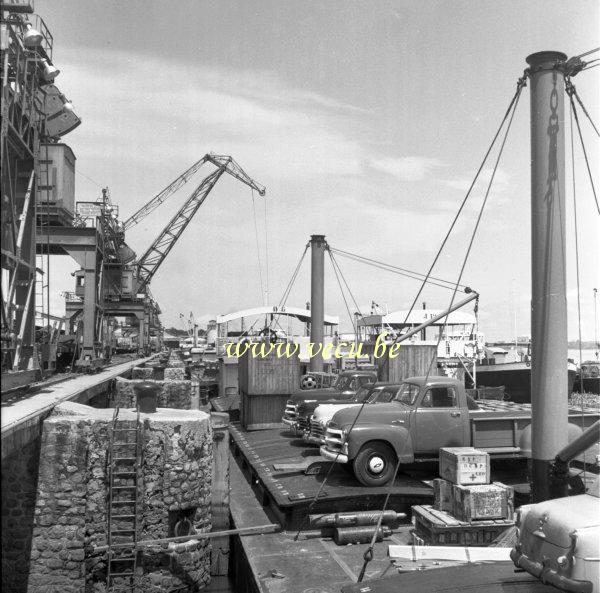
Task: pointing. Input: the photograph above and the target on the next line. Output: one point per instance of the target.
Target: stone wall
(19, 485)
(71, 510)
(142, 373)
(173, 394)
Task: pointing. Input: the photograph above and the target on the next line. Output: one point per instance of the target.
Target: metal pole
(317, 297)
(548, 282)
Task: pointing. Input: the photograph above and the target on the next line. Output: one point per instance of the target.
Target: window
(439, 397)
(407, 394)
(362, 393)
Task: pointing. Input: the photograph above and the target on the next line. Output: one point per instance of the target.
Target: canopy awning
(302, 315)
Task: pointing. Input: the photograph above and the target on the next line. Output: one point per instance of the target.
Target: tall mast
(548, 275)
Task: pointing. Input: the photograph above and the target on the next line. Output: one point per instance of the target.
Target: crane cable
(369, 553)
(262, 289)
(572, 91)
(266, 252)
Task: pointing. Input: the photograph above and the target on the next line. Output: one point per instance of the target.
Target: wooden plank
(457, 553)
(220, 494)
(444, 517)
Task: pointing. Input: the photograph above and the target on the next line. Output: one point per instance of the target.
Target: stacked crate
(467, 509)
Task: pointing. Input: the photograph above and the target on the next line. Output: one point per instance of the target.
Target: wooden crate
(485, 501)
(434, 527)
(442, 495)
(464, 465)
(262, 411)
(269, 375)
(413, 361)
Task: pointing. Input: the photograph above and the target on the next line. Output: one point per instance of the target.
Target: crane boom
(160, 197)
(216, 159)
(156, 253)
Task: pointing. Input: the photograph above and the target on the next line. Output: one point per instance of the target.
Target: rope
(571, 91)
(368, 556)
(396, 269)
(262, 290)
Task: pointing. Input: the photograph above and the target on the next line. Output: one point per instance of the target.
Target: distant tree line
(180, 333)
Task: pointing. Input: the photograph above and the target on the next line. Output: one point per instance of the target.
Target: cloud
(462, 183)
(268, 125)
(410, 168)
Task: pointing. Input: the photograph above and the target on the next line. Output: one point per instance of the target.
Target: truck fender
(573, 431)
(398, 438)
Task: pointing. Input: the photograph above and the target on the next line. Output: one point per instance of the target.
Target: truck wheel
(375, 464)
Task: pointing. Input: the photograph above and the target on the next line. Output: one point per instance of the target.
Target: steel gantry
(25, 51)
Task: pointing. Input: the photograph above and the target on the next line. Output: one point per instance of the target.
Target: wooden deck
(288, 492)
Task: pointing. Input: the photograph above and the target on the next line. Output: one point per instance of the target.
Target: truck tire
(375, 464)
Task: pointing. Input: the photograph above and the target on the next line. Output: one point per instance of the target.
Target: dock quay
(22, 420)
(363, 358)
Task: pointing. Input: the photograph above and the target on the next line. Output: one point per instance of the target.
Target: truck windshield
(407, 394)
(362, 394)
(382, 395)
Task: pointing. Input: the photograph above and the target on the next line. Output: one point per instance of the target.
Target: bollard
(147, 395)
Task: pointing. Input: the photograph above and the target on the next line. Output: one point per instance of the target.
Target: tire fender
(397, 438)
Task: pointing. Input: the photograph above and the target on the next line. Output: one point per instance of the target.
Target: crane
(219, 160)
(148, 264)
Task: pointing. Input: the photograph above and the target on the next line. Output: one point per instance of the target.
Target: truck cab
(344, 389)
(371, 393)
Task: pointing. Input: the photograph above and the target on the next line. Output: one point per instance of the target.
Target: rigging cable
(583, 108)
(352, 321)
(290, 284)
(347, 286)
(262, 290)
(368, 555)
(576, 260)
(520, 84)
(571, 91)
(397, 270)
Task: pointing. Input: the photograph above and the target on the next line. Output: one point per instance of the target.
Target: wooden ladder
(124, 467)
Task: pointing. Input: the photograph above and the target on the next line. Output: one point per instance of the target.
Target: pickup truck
(344, 389)
(425, 415)
(371, 393)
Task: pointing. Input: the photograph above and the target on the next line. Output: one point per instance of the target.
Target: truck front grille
(317, 430)
(333, 439)
(291, 412)
(302, 422)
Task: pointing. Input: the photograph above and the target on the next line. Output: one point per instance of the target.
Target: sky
(366, 122)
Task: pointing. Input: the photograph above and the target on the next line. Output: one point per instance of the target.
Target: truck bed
(497, 426)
